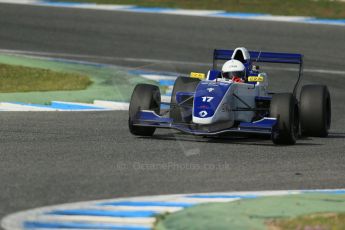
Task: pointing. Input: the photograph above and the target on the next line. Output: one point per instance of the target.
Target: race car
(215, 104)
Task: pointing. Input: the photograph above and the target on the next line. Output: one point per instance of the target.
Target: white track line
(24, 2)
(4, 106)
(112, 104)
(145, 208)
(156, 77)
(193, 12)
(97, 106)
(95, 219)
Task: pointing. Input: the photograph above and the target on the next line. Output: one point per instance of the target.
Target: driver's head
(233, 68)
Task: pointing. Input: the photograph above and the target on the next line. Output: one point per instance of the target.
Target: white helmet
(233, 68)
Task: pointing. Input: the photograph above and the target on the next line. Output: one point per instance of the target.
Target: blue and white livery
(216, 103)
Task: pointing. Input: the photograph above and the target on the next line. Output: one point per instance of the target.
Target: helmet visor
(229, 75)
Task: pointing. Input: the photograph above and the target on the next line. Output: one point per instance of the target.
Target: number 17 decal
(207, 99)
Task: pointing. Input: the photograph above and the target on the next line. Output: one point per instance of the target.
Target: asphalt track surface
(51, 158)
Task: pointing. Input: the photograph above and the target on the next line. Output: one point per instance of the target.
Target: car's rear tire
(182, 84)
(315, 103)
(284, 107)
(144, 97)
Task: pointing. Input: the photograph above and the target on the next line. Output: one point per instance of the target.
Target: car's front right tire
(144, 97)
(182, 84)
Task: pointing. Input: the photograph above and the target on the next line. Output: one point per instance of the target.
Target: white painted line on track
(65, 106)
(156, 77)
(98, 219)
(130, 208)
(193, 12)
(281, 18)
(205, 200)
(112, 104)
(90, 6)
(5, 106)
(25, 2)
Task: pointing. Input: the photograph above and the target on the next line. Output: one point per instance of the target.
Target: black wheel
(182, 84)
(284, 107)
(144, 97)
(315, 103)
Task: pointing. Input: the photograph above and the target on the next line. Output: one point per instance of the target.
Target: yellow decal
(255, 79)
(197, 75)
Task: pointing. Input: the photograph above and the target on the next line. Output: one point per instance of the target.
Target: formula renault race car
(213, 105)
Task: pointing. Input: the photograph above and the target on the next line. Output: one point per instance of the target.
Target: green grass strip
(321, 221)
(313, 8)
(251, 213)
(15, 78)
(108, 82)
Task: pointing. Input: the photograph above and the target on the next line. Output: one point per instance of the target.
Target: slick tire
(144, 97)
(284, 107)
(315, 106)
(182, 84)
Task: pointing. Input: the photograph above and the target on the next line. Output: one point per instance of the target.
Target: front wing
(151, 119)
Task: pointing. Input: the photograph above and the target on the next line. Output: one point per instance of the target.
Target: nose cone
(207, 99)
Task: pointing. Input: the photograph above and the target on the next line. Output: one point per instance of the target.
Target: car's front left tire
(315, 103)
(284, 107)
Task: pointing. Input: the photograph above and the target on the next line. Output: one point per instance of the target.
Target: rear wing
(287, 58)
(269, 57)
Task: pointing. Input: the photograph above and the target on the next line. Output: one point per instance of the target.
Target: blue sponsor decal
(207, 98)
